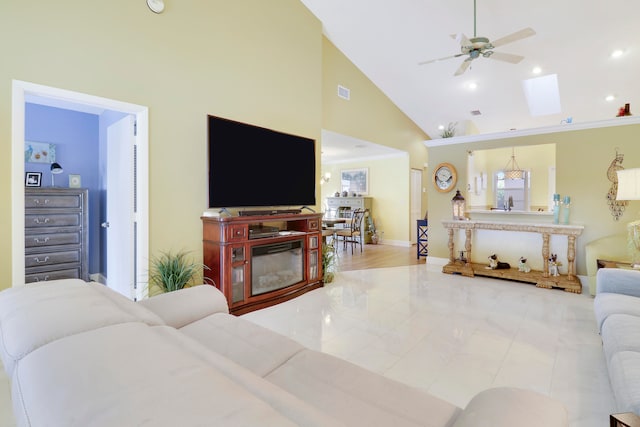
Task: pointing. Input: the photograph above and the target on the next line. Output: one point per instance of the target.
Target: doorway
(21, 91)
(416, 202)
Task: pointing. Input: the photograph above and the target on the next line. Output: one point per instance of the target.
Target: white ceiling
(574, 39)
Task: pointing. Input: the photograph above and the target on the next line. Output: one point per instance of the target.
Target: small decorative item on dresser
(33, 179)
(75, 181)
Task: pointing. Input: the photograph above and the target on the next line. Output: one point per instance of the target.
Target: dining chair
(353, 233)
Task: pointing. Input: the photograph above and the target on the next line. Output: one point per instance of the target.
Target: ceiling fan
(481, 46)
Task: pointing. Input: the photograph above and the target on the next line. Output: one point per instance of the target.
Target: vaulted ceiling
(574, 40)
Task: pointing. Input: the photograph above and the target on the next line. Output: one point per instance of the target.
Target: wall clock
(445, 177)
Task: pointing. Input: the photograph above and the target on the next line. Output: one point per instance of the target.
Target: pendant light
(512, 169)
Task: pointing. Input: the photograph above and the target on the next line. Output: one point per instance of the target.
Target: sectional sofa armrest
(618, 281)
(509, 406)
(188, 305)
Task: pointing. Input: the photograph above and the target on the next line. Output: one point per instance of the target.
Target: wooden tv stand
(232, 253)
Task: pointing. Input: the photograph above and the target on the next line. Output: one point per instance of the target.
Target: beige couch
(609, 248)
(79, 354)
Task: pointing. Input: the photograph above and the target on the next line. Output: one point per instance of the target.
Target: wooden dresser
(56, 234)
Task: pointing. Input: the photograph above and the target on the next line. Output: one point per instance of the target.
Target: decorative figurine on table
(522, 265)
(494, 264)
(553, 265)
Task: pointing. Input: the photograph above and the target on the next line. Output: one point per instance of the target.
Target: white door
(416, 202)
(120, 220)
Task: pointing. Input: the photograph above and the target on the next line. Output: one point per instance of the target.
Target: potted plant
(171, 272)
(371, 229)
(449, 131)
(328, 262)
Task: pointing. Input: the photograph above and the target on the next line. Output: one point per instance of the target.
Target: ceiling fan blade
(518, 35)
(506, 57)
(439, 59)
(463, 67)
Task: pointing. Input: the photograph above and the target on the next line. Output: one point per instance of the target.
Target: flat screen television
(251, 166)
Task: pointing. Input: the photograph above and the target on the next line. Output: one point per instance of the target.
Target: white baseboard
(98, 277)
(402, 243)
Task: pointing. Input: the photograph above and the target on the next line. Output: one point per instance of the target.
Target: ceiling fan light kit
(481, 46)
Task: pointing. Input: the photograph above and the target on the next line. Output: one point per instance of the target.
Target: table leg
(467, 246)
(571, 256)
(545, 254)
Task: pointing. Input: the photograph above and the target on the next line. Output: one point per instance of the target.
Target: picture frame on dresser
(33, 179)
(355, 181)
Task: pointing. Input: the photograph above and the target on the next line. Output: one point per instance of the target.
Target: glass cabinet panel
(313, 265)
(313, 242)
(237, 283)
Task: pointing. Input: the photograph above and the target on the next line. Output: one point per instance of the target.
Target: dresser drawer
(51, 239)
(53, 201)
(52, 258)
(52, 220)
(69, 273)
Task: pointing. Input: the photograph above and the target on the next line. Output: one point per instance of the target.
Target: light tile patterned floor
(455, 336)
(450, 335)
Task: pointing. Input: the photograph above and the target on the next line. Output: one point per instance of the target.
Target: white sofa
(79, 354)
(617, 310)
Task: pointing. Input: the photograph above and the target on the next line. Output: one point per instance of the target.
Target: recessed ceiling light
(472, 85)
(610, 98)
(617, 53)
(441, 127)
(536, 70)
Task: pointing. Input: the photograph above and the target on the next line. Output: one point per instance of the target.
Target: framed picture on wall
(355, 181)
(39, 152)
(33, 179)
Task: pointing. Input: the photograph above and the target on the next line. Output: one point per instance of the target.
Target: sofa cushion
(256, 348)
(507, 406)
(358, 397)
(133, 374)
(606, 304)
(179, 308)
(36, 314)
(624, 375)
(620, 332)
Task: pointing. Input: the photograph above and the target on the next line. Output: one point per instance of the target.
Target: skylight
(542, 95)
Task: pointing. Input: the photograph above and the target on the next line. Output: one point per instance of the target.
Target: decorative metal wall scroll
(615, 206)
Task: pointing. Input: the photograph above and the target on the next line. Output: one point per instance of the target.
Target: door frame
(20, 91)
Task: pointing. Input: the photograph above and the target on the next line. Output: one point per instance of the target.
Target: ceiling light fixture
(472, 85)
(512, 169)
(536, 70)
(617, 53)
(610, 98)
(156, 6)
(441, 127)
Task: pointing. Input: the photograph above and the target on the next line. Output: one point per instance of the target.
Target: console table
(569, 282)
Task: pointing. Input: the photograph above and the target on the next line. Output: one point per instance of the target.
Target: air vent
(476, 113)
(344, 93)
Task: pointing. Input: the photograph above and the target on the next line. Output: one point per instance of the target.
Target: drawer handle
(36, 259)
(37, 201)
(44, 279)
(37, 240)
(39, 221)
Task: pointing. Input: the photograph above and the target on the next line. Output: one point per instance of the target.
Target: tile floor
(450, 335)
(455, 336)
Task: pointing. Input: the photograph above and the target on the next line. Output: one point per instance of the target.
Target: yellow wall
(264, 63)
(254, 61)
(582, 160)
(370, 115)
